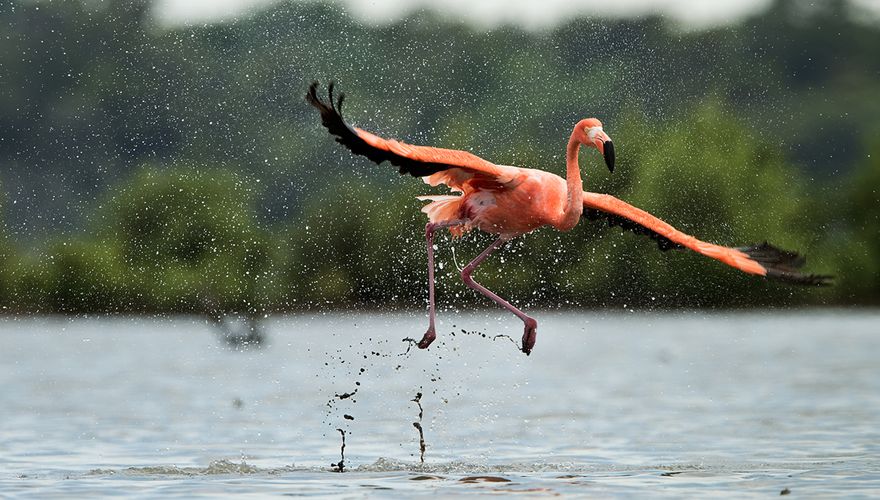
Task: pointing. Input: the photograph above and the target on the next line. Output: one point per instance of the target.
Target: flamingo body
(510, 201)
(529, 200)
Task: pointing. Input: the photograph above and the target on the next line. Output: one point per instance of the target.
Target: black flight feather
(331, 118)
(663, 242)
(783, 265)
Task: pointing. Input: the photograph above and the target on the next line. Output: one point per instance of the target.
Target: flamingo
(511, 201)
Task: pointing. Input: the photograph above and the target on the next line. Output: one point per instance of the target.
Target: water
(607, 405)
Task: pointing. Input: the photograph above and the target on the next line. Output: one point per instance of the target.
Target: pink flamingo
(511, 201)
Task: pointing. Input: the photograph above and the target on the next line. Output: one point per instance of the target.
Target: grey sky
(486, 13)
(531, 14)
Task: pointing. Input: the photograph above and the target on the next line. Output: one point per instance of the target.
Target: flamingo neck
(574, 204)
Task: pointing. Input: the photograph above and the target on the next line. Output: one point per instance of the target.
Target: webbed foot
(530, 335)
(429, 337)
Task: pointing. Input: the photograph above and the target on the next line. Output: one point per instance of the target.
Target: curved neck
(574, 203)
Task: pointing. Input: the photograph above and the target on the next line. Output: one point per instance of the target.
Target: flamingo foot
(429, 337)
(530, 335)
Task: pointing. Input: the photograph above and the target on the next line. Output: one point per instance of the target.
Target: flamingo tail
(444, 208)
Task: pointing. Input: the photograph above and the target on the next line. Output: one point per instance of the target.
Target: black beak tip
(608, 151)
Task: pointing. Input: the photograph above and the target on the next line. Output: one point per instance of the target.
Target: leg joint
(466, 273)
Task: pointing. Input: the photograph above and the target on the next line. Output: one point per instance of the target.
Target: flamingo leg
(430, 227)
(531, 326)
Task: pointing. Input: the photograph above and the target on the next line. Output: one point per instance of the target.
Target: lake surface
(660, 404)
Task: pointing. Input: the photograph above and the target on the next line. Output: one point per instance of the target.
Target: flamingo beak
(603, 144)
(607, 150)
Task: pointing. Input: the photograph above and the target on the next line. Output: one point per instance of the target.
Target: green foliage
(712, 176)
(84, 276)
(852, 237)
(163, 241)
(187, 235)
(737, 134)
(356, 244)
(6, 259)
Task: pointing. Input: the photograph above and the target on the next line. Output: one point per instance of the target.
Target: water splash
(418, 425)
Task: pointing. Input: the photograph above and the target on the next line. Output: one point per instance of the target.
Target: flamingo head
(589, 133)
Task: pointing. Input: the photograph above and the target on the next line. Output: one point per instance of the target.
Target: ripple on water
(213, 468)
(630, 405)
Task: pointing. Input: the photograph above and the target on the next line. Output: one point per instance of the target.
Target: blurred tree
(358, 245)
(187, 235)
(91, 91)
(725, 184)
(852, 240)
(6, 260)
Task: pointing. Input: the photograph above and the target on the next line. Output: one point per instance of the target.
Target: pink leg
(431, 334)
(531, 326)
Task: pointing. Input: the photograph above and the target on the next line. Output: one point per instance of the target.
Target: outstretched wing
(663, 243)
(763, 260)
(418, 161)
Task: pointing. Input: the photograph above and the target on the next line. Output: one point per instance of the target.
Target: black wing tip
(783, 265)
(816, 280)
(313, 99)
(331, 113)
(312, 94)
(331, 106)
(331, 118)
